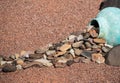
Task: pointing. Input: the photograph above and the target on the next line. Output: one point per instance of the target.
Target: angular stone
(72, 52)
(86, 35)
(19, 61)
(97, 57)
(32, 64)
(88, 45)
(59, 65)
(69, 62)
(40, 51)
(68, 56)
(77, 44)
(87, 54)
(17, 56)
(12, 57)
(78, 51)
(88, 28)
(35, 56)
(113, 56)
(65, 47)
(84, 60)
(50, 52)
(93, 33)
(44, 62)
(97, 40)
(71, 37)
(79, 37)
(105, 49)
(77, 59)
(59, 53)
(2, 62)
(9, 68)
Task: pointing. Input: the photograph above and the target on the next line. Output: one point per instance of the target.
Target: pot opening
(95, 24)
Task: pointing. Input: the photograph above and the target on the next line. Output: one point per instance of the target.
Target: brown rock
(65, 47)
(59, 65)
(77, 44)
(99, 41)
(59, 53)
(50, 52)
(84, 60)
(19, 61)
(17, 56)
(77, 59)
(97, 57)
(35, 56)
(69, 62)
(78, 51)
(88, 45)
(68, 56)
(93, 33)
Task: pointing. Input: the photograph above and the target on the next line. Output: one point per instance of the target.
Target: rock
(87, 54)
(72, 52)
(72, 37)
(35, 56)
(69, 62)
(77, 44)
(50, 52)
(44, 62)
(59, 53)
(40, 51)
(88, 28)
(61, 60)
(68, 56)
(88, 45)
(97, 57)
(2, 62)
(78, 51)
(65, 47)
(23, 53)
(84, 60)
(99, 40)
(105, 49)
(12, 57)
(80, 37)
(32, 64)
(113, 56)
(59, 65)
(19, 67)
(94, 46)
(19, 61)
(17, 56)
(86, 35)
(77, 59)
(93, 33)
(9, 68)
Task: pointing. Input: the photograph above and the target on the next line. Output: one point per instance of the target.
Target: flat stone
(12, 57)
(65, 47)
(77, 44)
(2, 62)
(50, 52)
(77, 59)
(35, 56)
(97, 40)
(105, 49)
(84, 60)
(71, 37)
(32, 64)
(59, 53)
(97, 57)
(87, 54)
(68, 56)
(113, 56)
(40, 51)
(59, 65)
(9, 68)
(93, 33)
(45, 62)
(77, 51)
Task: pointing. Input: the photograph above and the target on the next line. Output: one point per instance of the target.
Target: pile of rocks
(78, 47)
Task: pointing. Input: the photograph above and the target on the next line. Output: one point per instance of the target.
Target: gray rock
(72, 52)
(113, 57)
(77, 59)
(35, 56)
(9, 68)
(105, 49)
(19, 67)
(80, 37)
(88, 45)
(69, 62)
(87, 54)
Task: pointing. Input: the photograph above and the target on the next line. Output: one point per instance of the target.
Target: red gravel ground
(32, 24)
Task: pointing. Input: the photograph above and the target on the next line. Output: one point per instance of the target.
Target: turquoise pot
(108, 22)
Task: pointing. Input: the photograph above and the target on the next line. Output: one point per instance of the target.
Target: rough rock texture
(31, 24)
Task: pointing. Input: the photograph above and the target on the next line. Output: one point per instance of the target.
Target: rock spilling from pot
(78, 47)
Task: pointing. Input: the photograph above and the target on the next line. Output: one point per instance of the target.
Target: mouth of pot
(96, 25)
